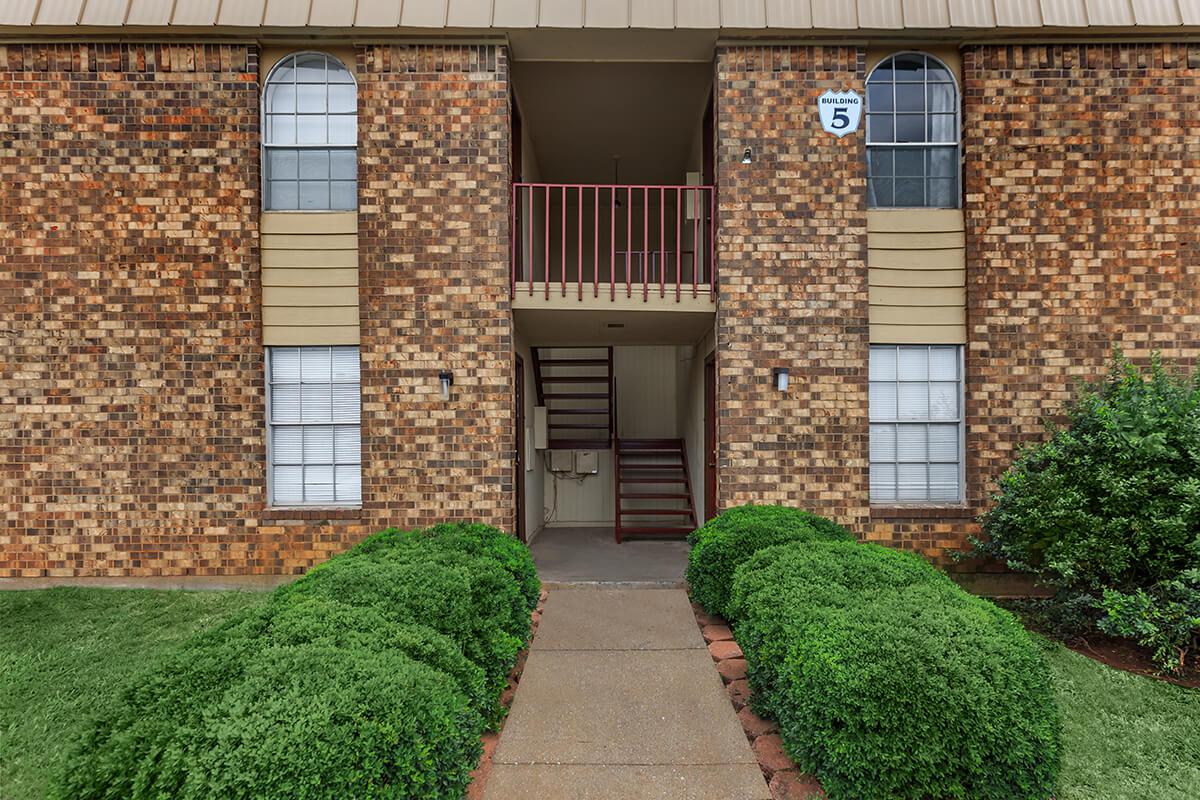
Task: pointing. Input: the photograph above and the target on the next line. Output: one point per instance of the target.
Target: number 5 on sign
(840, 112)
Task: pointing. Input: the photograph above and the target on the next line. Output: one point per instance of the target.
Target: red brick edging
(491, 739)
(786, 782)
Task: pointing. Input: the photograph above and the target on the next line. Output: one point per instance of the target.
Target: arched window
(310, 132)
(912, 134)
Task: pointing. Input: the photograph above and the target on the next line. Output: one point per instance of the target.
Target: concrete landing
(620, 699)
(592, 555)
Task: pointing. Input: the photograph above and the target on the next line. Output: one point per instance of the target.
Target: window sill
(921, 511)
(312, 513)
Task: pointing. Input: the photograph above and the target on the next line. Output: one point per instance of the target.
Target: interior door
(710, 436)
(519, 380)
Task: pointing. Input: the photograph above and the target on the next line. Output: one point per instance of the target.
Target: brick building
(277, 274)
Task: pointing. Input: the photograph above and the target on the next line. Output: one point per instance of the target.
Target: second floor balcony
(592, 245)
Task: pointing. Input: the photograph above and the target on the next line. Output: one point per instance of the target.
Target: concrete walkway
(620, 700)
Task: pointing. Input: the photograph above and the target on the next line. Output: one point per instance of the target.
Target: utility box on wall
(562, 460)
(586, 462)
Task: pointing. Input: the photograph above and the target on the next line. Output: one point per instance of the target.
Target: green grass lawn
(65, 652)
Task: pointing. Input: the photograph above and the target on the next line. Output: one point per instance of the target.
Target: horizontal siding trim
(917, 240)
(305, 316)
(934, 278)
(918, 334)
(918, 296)
(301, 241)
(323, 276)
(294, 335)
(915, 220)
(953, 258)
(310, 296)
(309, 259)
(918, 315)
(310, 222)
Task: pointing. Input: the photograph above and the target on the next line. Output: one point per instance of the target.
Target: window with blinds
(313, 412)
(916, 423)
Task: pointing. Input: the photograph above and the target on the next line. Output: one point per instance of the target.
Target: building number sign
(840, 112)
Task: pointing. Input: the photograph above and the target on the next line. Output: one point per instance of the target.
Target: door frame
(710, 436)
(519, 463)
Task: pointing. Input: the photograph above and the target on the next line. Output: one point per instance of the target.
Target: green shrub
(789, 586)
(1110, 504)
(1165, 618)
(918, 692)
(725, 541)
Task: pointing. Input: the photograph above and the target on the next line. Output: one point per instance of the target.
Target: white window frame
(898, 422)
(266, 146)
(272, 425)
(924, 145)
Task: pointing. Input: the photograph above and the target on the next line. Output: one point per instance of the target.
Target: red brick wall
(1082, 212)
(791, 239)
(434, 277)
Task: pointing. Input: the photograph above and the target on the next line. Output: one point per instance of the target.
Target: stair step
(575, 396)
(654, 467)
(589, 426)
(654, 496)
(654, 444)
(644, 479)
(574, 362)
(578, 411)
(657, 512)
(656, 531)
(644, 453)
(580, 444)
(575, 379)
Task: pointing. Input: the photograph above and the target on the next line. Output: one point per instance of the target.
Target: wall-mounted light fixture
(446, 379)
(747, 156)
(779, 376)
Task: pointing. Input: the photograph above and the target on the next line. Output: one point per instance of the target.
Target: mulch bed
(785, 780)
(491, 739)
(1128, 656)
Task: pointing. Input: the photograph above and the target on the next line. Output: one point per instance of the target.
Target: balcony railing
(614, 240)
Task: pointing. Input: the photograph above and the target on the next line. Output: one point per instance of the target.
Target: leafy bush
(1110, 504)
(371, 676)
(787, 587)
(918, 692)
(725, 541)
(1164, 618)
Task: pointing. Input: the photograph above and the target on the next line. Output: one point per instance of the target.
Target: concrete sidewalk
(620, 699)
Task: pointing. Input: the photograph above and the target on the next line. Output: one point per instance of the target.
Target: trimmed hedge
(372, 676)
(889, 681)
(725, 541)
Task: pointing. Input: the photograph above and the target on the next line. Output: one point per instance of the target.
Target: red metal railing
(613, 238)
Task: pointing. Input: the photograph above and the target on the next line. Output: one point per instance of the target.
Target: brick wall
(792, 242)
(1082, 214)
(433, 244)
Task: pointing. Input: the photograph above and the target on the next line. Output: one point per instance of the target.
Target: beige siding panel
(294, 335)
(423, 13)
(333, 222)
(698, 14)
(1109, 12)
(882, 14)
(104, 12)
(918, 334)
(248, 13)
(303, 316)
(59, 12)
(1156, 12)
(743, 14)
(1064, 13)
(915, 259)
(148, 12)
(933, 278)
(296, 241)
(312, 296)
(309, 259)
(322, 276)
(911, 315)
(561, 14)
(195, 12)
(17, 12)
(915, 219)
(917, 240)
(789, 14)
(652, 13)
(378, 14)
(972, 14)
(287, 12)
(1190, 11)
(515, 14)
(924, 14)
(331, 13)
(467, 13)
(1018, 13)
(916, 297)
(834, 14)
(606, 14)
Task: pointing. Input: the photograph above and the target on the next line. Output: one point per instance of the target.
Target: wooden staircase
(653, 491)
(576, 386)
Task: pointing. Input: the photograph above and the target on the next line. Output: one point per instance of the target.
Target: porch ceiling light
(779, 376)
(446, 379)
(747, 158)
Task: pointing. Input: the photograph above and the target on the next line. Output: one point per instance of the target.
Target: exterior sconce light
(779, 377)
(747, 157)
(446, 379)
